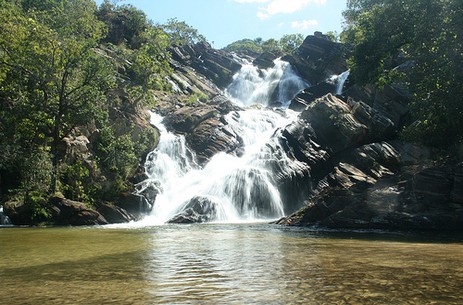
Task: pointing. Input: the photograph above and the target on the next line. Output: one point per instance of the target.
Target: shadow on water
(376, 235)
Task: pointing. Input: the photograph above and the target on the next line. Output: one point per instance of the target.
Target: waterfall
(255, 86)
(236, 189)
(4, 220)
(339, 81)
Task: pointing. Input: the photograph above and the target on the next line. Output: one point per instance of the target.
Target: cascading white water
(241, 188)
(254, 86)
(4, 220)
(340, 80)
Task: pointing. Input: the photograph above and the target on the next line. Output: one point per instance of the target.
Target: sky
(225, 21)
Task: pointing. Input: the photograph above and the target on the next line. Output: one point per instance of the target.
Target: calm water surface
(225, 264)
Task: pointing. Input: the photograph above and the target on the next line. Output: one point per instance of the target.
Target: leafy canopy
(286, 44)
(418, 43)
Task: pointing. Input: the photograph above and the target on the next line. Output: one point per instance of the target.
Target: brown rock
(68, 212)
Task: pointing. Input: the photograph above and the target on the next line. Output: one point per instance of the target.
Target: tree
(418, 43)
(125, 24)
(246, 46)
(286, 44)
(271, 45)
(180, 33)
(50, 74)
(289, 43)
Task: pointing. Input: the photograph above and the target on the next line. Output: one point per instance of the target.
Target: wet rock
(68, 212)
(115, 214)
(197, 210)
(379, 126)
(433, 185)
(136, 205)
(206, 127)
(211, 137)
(265, 60)
(17, 212)
(308, 95)
(371, 188)
(187, 118)
(4, 219)
(391, 101)
(318, 58)
(377, 159)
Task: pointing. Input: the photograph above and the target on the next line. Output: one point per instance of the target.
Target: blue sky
(225, 21)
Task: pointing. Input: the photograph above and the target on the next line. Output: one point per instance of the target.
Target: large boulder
(199, 209)
(69, 212)
(4, 219)
(137, 205)
(115, 214)
(265, 60)
(318, 58)
(207, 127)
(188, 118)
(213, 136)
(310, 94)
(334, 124)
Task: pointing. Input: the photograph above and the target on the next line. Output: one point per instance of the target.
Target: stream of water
(226, 264)
(241, 189)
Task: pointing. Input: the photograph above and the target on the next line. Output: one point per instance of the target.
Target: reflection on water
(224, 264)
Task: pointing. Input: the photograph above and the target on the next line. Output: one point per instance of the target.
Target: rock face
(318, 58)
(68, 212)
(115, 214)
(308, 95)
(265, 60)
(362, 179)
(217, 65)
(206, 128)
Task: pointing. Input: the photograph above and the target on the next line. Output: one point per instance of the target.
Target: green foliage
(77, 183)
(180, 33)
(139, 47)
(423, 39)
(56, 77)
(245, 46)
(197, 96)
(289, 43)
(37, 206)
(333, 35)
(125, 24)
(36, 172)
(50, 74)
(117, 154)
(286, 44)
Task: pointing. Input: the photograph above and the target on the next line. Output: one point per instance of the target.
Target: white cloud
(283, 6)
(262, 15)
(304, 25)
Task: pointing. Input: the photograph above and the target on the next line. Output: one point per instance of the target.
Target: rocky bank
(352, 170)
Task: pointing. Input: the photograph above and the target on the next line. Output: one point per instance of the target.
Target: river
(226, 264)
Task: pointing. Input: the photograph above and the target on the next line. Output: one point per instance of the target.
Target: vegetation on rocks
(285, 45)
(76, 79)
(67, 69)
(417, 44)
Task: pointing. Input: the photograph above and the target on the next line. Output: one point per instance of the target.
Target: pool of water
(226, 264)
